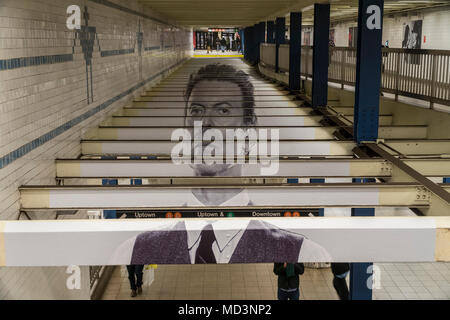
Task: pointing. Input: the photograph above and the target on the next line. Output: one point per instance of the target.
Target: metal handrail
(417, 73)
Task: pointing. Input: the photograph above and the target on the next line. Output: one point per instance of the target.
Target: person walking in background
(223, 44)
(288, 280)
(208, 45)
(238, 44)
(217, 44)
(135, 274)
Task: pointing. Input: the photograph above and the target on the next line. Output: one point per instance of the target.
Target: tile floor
(257, 281)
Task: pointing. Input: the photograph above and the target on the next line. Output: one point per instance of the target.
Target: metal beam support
(320, 55)
(295, 50)
(280, 29)
(368, 70)
(430, 185)
(270, 31)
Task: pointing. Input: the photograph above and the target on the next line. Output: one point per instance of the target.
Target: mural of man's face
(224, 111)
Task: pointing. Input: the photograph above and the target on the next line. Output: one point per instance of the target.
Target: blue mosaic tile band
(108, 53)
(26, 148)
(14, 63)
(152, 48)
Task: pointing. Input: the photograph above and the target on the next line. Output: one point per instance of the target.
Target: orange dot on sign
(287, 214)
(169, 215)
(296, 214)
(177, 215)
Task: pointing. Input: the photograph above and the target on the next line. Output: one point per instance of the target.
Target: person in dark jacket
(223, 44)
(340, 271)
(288, 280)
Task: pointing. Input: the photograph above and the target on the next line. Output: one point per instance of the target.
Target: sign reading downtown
(217, 213)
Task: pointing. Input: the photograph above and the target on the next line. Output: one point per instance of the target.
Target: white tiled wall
(37, 99)
(435, 29)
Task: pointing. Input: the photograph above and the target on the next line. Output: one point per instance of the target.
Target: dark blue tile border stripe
(108, 53)
(152, 48)
(23, 150)
(14, 63)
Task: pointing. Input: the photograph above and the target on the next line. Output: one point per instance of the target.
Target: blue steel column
(270, 32)
(280, 29)
(320, 54)
(255, 38)
(260, 38)
(247, 46)
(294, 50)
(359, 275)
(251, 43)
(321, 210)
(241, 34)
(368, 70)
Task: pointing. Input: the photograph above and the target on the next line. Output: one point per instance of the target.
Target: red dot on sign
(177, 215)
(296, 214)
(287, 214)
(169, 215)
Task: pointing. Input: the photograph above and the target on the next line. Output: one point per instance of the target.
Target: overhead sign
(216, 213)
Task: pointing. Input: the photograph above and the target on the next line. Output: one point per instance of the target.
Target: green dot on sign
(230, 214)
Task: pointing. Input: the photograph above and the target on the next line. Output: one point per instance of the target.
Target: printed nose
(208, 121)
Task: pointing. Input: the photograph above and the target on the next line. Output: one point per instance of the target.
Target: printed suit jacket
(260, 242)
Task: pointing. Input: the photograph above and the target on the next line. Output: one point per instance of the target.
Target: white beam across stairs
(285, 133)
(312, 168)
(260, 196)
(287, 168)
(271, 121)
(154, 147)
(329, 239)
(324, 148)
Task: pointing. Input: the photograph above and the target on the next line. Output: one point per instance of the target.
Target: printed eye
(196, 111)
(223, 111)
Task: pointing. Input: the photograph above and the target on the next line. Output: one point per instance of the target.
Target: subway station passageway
(222, 147)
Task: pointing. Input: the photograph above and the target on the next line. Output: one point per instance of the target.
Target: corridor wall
(55, 84)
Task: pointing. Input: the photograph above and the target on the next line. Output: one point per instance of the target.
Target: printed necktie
(204, 252)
